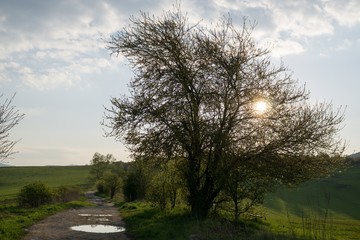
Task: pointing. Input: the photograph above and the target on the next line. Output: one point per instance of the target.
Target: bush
(34, 195)
(66, 194)
(101, 186)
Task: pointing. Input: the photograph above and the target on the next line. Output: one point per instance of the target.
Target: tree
(193, 97)
(136, 182)
(112, 183)
(246, 188)
(99, 165)
(9, 117)
(165, 185)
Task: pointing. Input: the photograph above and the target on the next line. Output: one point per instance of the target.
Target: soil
(58, 226)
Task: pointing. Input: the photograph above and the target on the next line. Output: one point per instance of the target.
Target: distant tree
(9, 117)
(112, 183)
(100, 164)
(195, 95)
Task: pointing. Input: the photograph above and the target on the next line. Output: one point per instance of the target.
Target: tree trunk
(112, 192)
(236, 210)
(201, 198)
(173, 199)
(200, 205)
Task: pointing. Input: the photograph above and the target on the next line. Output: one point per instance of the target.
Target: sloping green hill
(321, 209)
(339, 193)
(13, 178)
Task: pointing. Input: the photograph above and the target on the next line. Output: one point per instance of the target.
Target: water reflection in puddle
(84, 215)
(98, 228)
(94, 215)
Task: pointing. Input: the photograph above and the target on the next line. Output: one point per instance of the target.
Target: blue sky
(53, 56)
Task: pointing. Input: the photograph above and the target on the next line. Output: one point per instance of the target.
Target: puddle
(94, 215)
(98, 228)
(84, 215)
(102, 215)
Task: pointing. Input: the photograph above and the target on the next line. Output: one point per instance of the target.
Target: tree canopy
(99, 165)
(195, 97)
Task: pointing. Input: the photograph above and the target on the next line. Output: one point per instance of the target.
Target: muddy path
(59, 226)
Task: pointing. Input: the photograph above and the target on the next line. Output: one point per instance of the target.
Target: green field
(321, 209)
(331, 204)
(12, 179)
(14, 219)
(339, 193)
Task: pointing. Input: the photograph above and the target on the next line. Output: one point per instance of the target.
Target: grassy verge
(313, 224)
(146, 222)
(14, 220)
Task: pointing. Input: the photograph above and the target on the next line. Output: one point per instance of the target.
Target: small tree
(203, 94)
(136, 182)
(246, 188)
(112, 183)
(100, 164)
(9, 117)
(165, 184)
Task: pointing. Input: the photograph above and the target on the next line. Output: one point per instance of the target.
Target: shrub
(66, 194)
(101, 186)
(34, 195)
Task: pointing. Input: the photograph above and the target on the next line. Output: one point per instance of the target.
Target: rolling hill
(339, 193)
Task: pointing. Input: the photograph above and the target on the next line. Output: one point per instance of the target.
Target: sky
(53, 56)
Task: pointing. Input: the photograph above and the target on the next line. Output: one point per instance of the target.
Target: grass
(143, 221)
(327, 207)
(321, 209)
(343, 190)
(12, 179)
(13, 219)
(290, 214)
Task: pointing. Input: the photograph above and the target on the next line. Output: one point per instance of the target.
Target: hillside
(13, 178)
(339, 193)
(355, 158)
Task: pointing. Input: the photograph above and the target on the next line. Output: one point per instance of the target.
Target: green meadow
(340, 193)
(12, 179)
(321, 209)
(13, 219)
(328, 206)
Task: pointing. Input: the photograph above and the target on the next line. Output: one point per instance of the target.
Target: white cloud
(281, 47)
(54, 45)
(301, 19)
(345, 12)
(52, 76)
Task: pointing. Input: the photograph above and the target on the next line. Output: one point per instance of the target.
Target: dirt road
(58, 226)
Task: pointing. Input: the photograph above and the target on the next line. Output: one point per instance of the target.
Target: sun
(261, 107)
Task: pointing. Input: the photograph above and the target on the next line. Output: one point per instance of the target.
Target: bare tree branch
(9, 117)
